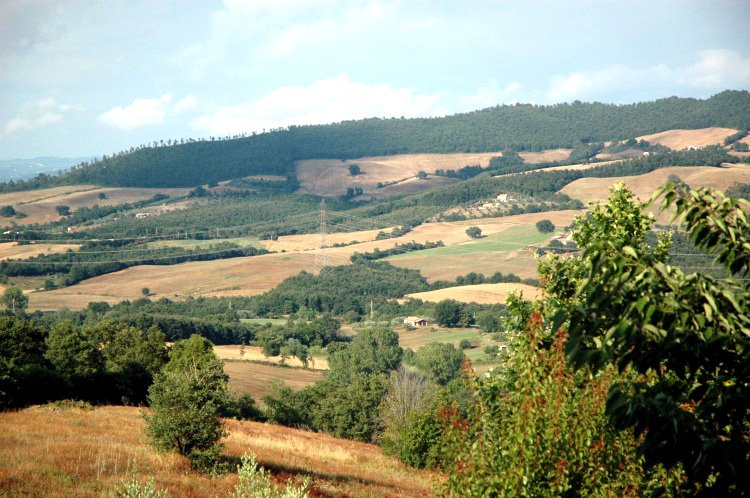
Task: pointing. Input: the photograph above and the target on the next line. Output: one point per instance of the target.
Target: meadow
(59, 450)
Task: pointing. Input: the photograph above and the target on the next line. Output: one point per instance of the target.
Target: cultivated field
(545, 156)
(682, 139)
(509, 251)
(331, 176)
(257, 274)
(204, 244)
(247, 377)
(597, 189)
(255, 353)
(47, 451)
(307, 242)
(40, 205)
(481, 293)
(11, 250)
(572, 167)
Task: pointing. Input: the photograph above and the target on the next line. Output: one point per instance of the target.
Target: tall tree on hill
(187, 397)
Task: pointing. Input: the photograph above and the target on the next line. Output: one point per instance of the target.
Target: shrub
(421, 439)
(7, 211)
(465, 344)
(63, 210)
(133, 488)
(255, 482)
(474, 232)
(354, 169)
(545, 226)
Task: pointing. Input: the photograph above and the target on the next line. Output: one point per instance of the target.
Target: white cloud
(713, 70)
(187, 104)
(36, 115)
(141, 112)
(327, 100)
(718, 68)
(490, 95)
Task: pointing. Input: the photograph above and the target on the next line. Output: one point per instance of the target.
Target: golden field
(643, 186)
(479, 293)
(50, 451)
(40, 204)
(254, 275)
(682, 139)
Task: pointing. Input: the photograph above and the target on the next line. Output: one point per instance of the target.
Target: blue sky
(84, 78)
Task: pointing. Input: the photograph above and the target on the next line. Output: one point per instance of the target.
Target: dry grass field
(254, 353)
(257, 274)
(247, 377)
(40, 205)
(545, 156)
(481, 293)
(331, 176)
(682, 139)
(597, 189)
(11, 250)
(573, 167)
(49, 451)
(308, 242)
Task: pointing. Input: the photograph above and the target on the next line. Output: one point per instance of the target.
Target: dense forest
(520, 126)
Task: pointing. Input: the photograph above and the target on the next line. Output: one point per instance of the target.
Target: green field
(508, 240)
(272, 321)
(204, 244)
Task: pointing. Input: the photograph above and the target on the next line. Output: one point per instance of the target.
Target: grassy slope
(47, 451)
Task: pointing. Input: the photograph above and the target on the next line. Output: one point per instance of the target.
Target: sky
(82, 78)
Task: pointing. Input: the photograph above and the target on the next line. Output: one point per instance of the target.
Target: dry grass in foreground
(48, 451)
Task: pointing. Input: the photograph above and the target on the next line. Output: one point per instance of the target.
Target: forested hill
(523, 127)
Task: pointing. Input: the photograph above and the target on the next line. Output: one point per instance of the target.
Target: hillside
(52, 451)
(525, 127)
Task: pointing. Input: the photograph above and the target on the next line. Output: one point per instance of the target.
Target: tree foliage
(685, 336)
(187, 398)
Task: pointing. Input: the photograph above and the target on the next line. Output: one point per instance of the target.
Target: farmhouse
(415, 321)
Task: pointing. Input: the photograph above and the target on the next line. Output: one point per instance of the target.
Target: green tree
(440, 362)
(538, 429)
(421, 175)
(187, 397)
(545, 226)
(354, 169)
(373, 351)
(101, 196)
(24, 376)
(132, 357)
(448, 313)
(63, 210)
(349, 409)
(474, 232)
(14, 299)
(146, 291)
(77, 358)
(686, 336)
(7, 211)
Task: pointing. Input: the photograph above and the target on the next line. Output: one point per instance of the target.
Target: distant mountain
(522, 127)
(22, 169)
